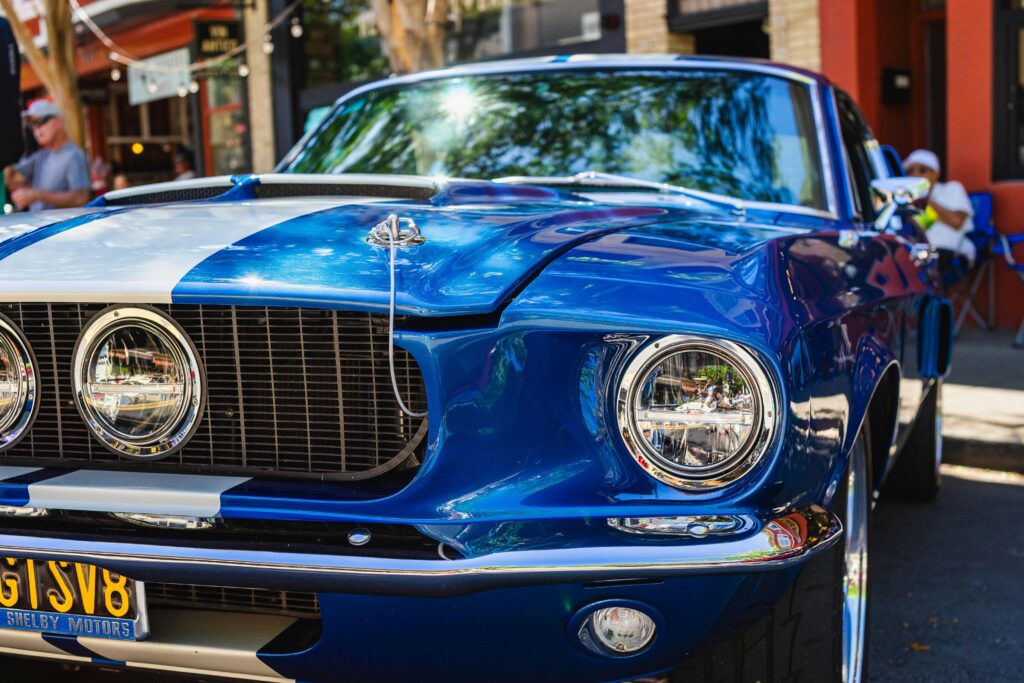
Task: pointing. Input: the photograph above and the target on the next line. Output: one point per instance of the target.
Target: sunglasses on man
(37, 123)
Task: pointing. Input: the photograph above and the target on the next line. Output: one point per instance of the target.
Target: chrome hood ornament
(397, 232)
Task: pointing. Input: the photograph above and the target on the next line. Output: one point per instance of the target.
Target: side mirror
(893, 194)
(893, 161)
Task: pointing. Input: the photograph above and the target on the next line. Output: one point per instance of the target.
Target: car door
(865, 162)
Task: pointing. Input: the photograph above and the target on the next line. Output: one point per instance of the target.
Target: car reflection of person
(716, 400)
(57, 175)
(948, 215)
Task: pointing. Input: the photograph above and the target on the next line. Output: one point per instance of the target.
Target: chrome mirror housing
(895, 194)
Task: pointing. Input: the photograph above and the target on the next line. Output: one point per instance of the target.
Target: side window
(857, 143)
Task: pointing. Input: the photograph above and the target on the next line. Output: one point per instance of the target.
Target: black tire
(915, 476)
(800, 639)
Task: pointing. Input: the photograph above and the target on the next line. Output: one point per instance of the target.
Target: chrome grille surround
(291, 391)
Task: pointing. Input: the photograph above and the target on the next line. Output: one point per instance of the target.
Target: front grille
(220, 598)
(290, 391)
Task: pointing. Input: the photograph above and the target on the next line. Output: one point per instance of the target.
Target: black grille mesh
(166, 196)
(272, 190)
(290, 390)
(256, 600)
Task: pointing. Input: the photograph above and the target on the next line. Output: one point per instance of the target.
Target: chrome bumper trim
(783, 541)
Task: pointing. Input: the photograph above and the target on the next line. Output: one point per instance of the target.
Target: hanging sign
(167, 78)
(214, 38)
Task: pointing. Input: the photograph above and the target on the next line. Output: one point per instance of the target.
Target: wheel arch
(883, 414)
(877, 400)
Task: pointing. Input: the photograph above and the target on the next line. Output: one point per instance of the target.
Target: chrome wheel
(855, 564)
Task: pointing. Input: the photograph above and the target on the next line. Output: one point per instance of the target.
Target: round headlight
(137, 382)
(17, 385)
(694, 413)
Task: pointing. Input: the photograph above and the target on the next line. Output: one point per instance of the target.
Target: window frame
(868, 159)
(1008, 92)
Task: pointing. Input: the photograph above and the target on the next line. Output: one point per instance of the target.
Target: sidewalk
(983, 403)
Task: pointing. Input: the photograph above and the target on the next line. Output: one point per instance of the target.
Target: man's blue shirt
(55, 171)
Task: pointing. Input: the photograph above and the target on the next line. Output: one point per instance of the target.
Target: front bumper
(780, 542)
(505, 617)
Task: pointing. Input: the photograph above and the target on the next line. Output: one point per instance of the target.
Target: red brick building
(966, 96)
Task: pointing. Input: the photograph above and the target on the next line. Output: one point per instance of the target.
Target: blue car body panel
(522, 309)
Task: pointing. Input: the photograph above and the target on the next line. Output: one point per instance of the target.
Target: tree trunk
(413, 32)
(62, 59)
(56, 71)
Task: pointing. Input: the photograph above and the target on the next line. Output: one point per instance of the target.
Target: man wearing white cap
(948, 217)
(57, 175)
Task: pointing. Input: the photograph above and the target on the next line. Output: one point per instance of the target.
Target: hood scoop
(439, 191)
(166, 193)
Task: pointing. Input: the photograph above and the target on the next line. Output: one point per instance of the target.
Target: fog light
(617, 631)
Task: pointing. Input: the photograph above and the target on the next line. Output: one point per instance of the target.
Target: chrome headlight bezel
(176, 433)
(14, 428)
(766, 413)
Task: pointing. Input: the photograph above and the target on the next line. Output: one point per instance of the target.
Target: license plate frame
(91, 599)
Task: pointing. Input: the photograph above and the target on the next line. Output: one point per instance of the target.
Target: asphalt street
(948, 601)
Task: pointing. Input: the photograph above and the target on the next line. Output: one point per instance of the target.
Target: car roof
(591, 61)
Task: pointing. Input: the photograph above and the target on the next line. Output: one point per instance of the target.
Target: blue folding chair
(1004, 247)
(990, 245)
(985, 238)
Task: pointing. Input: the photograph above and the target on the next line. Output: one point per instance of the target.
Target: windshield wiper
(611, 180)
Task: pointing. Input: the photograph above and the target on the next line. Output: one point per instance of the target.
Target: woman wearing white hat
(948, 217)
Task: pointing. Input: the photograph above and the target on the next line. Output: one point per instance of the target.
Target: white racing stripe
(144, 492)
(9, 472)
(138, 256)
(18, 224)
(15, 642)
(190, 641)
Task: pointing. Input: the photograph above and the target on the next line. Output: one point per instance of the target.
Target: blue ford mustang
(574, 369)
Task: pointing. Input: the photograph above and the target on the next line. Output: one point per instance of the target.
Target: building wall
(647, 29)
(795, 30)
(860, 37)
(969, 24)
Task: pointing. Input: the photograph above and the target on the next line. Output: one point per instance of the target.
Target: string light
(182, 91)
(243, 70)
(122, 57)
(193, 86)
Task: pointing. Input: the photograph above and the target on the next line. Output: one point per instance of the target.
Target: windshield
(746, 135)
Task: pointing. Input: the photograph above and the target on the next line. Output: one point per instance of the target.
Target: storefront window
(141, 138)
(221, 91)
(226, 130)
(341, 43)
(482, 30)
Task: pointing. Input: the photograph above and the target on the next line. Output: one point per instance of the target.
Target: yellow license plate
(70, 598)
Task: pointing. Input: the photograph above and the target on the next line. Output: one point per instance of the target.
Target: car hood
(479, 248)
